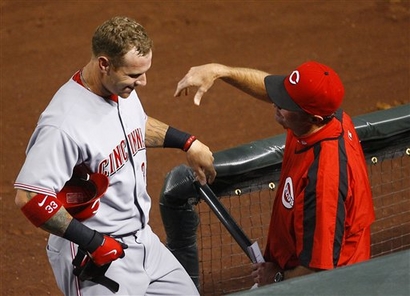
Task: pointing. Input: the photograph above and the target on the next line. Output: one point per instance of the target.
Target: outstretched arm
(248, 80)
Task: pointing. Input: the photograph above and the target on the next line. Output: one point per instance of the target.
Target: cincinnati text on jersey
(119, 155)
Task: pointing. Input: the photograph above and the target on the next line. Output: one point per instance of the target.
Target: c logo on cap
(294, 77)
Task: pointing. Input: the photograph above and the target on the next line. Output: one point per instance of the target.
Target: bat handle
(226, 219)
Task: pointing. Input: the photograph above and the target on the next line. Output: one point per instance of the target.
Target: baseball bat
(250, 249)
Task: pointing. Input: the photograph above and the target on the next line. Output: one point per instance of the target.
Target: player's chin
(125, 93)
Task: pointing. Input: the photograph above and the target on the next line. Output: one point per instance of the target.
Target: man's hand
(264, 273)
(102, 248)
(250, 81)
(108, 251)
(200, 159)
(202, 77)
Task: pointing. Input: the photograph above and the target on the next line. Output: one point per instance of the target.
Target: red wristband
(188, 143)
(41, 208)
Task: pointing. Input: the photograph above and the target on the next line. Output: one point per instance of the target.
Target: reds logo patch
(288, 198)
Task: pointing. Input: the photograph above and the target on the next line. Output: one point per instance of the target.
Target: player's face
(124, 79)
(298, 122)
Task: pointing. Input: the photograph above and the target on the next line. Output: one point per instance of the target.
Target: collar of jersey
(77, 78)
(332, 130)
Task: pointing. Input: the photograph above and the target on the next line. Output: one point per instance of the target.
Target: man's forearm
(57, 224)
(298, 271)
(155, 132)
(250, 81)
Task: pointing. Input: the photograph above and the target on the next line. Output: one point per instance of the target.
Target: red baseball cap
(312, 87)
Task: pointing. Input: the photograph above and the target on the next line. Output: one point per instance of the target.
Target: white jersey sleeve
(43, 171)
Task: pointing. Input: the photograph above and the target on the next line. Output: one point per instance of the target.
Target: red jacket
(323, 207)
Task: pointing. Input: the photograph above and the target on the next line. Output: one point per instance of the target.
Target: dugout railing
(245, 183)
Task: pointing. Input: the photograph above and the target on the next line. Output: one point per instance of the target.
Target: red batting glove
(109, 250)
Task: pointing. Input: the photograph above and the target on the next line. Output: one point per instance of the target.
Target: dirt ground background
(44, 42)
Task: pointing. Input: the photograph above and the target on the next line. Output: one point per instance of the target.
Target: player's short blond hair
(117, 36)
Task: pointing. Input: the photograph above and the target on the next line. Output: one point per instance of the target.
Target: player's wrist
(101, 248)
(85, 237)
(175, 138)
(189, 143)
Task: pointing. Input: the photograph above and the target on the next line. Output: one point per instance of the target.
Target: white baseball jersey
(81, 127)
(107, 136)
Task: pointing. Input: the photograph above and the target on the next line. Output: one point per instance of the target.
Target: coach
(323, 208)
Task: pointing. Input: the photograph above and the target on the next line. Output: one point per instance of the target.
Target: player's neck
(91, 81)
(84, 81)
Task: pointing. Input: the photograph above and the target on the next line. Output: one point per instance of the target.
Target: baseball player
(323, 207)
(84, 177)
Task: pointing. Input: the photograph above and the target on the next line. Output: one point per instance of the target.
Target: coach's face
(132, 73)
(298, 122)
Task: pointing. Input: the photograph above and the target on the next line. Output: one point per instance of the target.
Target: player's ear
(104, 64)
